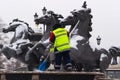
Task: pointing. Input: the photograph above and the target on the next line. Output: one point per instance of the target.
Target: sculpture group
(82, 55)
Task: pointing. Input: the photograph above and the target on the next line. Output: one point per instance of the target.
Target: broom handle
(47, 56)
(74, 28)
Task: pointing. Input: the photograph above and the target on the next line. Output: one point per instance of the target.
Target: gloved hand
(50, 45)
(48, 48)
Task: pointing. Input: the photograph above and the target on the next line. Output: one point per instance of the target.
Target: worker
(59, 37)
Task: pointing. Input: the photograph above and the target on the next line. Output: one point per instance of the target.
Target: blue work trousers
(62, 56)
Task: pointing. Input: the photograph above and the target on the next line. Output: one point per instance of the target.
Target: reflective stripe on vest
(62, 40)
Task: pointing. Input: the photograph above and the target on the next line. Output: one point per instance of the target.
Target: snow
(74, 41)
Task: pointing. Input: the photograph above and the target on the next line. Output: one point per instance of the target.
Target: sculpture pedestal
(52, 75)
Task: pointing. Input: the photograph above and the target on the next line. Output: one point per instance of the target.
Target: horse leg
(114, 60)
(8, 52)
(104, 64)
(32, 62)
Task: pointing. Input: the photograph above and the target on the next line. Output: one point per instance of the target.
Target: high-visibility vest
(61, 39)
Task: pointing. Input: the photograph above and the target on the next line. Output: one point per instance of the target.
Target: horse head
(70, 20)
(12, 27)
(84, 18)
(115, 52)
(49, 20)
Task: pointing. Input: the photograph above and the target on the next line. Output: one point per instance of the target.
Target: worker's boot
(69, 67)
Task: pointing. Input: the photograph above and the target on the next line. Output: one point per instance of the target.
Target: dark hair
(56, 26)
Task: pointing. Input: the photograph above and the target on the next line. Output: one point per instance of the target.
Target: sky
(106, 15)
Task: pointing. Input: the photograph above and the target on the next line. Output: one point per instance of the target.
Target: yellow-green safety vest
(61, 39)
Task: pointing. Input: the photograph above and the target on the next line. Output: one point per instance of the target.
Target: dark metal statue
(20, 43)
(82, 55)
(49, 20)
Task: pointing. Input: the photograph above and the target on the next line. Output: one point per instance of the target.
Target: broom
(42, 66)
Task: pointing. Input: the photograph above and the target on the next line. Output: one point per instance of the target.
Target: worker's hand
(49, 46)
(47, 50)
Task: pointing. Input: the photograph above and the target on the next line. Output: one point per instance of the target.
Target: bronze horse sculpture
(20, 43)
(21, 27)
(82, 55)
(34, 57)
(37, 51)
(88, 58)
(16, 23)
